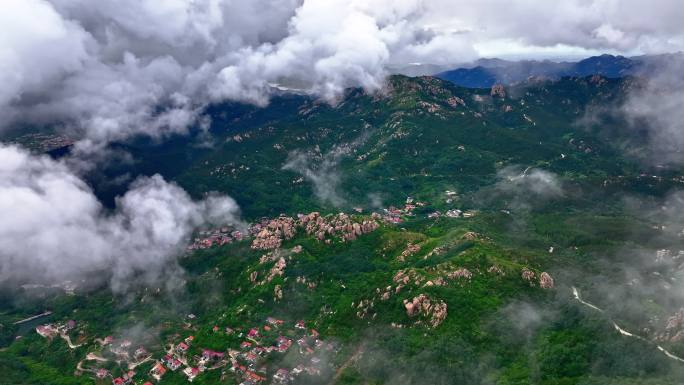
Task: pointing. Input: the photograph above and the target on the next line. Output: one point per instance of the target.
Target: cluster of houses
(52, 330)
(453, 213)
(667, 256)
(215, 237)
(249, 363)
(394, 214)
(259, 343)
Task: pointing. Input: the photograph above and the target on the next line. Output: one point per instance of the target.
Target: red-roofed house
(191, 373)
(254, 377)
(174, 364)
(182, 347)
(208, 354)
(251, 357)
(158, 371)
(282, 376)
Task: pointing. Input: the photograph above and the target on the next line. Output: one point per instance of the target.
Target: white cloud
(111, 69)
(653, 109)
(523, 189)
(32, 35)
(53, 228)
(321, 171)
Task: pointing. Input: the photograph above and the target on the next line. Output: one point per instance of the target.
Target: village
(253, 354)
(250, 363)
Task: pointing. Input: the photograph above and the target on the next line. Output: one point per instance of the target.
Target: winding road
(359, 350)
(66, 338)
(622, 331)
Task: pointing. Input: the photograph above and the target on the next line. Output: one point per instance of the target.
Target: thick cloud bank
(654, 107)
(53, 228)
(108, 69)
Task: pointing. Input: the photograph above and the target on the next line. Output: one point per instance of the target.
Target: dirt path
(624, 332)
(94, 357)
(347, 363)
(68, 341)
(132, 366)
(33, 317)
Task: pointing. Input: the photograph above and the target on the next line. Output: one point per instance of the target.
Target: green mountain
(487, 72)
(427, 234)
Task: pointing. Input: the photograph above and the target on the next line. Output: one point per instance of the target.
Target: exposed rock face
(528, 275)
(439, 250)
(277, 293)
(498, 90)
(470, 236)
(454, 101)
(271, 256)
(597, 79)
(365, 309)
(401, 277)
(340, 225)
(409, 251)
(430, 107)
(269, 234)
(460, 273)
(309, 284)
(545, 281)
(277, 270)
(674, 328)
(434, 311)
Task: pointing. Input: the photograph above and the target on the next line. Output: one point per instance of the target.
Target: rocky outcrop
(409, 251)
(470, 236)
(365, 309)
(340, 225)
(674, 328)
(269, 234)
(277, 293)
(304, 281)
(439, 250)
(277, 270)
(455, 101)
(545, 281)
(528, 275)
(461, 273)
(434, 311)
(498, 90)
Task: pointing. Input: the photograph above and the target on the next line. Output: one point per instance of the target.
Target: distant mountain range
(487, 72)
